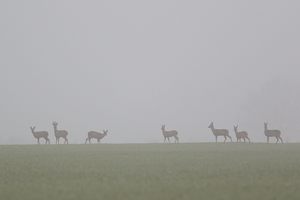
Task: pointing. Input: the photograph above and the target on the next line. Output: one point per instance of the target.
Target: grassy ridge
(150, 171)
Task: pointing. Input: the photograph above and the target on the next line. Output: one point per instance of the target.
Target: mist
(131, 66)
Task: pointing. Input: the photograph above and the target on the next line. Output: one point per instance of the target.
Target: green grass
(150, 171)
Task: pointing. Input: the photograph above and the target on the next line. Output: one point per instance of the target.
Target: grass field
(150, 171)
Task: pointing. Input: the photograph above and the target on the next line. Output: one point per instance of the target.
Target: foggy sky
(131, 66)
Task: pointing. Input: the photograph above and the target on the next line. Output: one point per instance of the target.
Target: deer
(40, 134)
(169, 134)
(219, 132)
(96, 135)
(272, 133)
(60, 133)
(241, 135)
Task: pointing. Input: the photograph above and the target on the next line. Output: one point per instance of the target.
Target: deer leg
(216, 139)
(225, 138)
(268, 139)
(230, 138)
(244, 140)
(277, 139)
(281, 139)
(169, 139)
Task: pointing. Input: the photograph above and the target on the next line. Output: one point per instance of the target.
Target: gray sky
(129, 66)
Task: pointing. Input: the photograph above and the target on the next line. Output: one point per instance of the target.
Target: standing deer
(272, 133)
(96, 135)
(40, 134)
(60, 133)
(168, 134)
(241, 135)
(219, 132)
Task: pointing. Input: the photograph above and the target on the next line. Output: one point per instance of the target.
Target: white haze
(130, 66)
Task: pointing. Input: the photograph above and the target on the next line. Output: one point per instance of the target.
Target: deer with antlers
(272, 133)
(40, 134)
(241, 135)
(169, 134)
(60, 133)
(96, 135)
(219, 132)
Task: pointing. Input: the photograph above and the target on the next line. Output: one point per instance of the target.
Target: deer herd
(167, 134)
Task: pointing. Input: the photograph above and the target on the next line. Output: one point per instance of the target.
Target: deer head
(32, 128)
(266, 125)
(211, 125)
(105, 132)
(235, 128)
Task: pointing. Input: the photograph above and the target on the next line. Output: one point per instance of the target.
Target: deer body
(219, 132)
(272, 133)
(96, 135)
(40, 134)
(169, 134)
(241, 135)
(60, 134)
